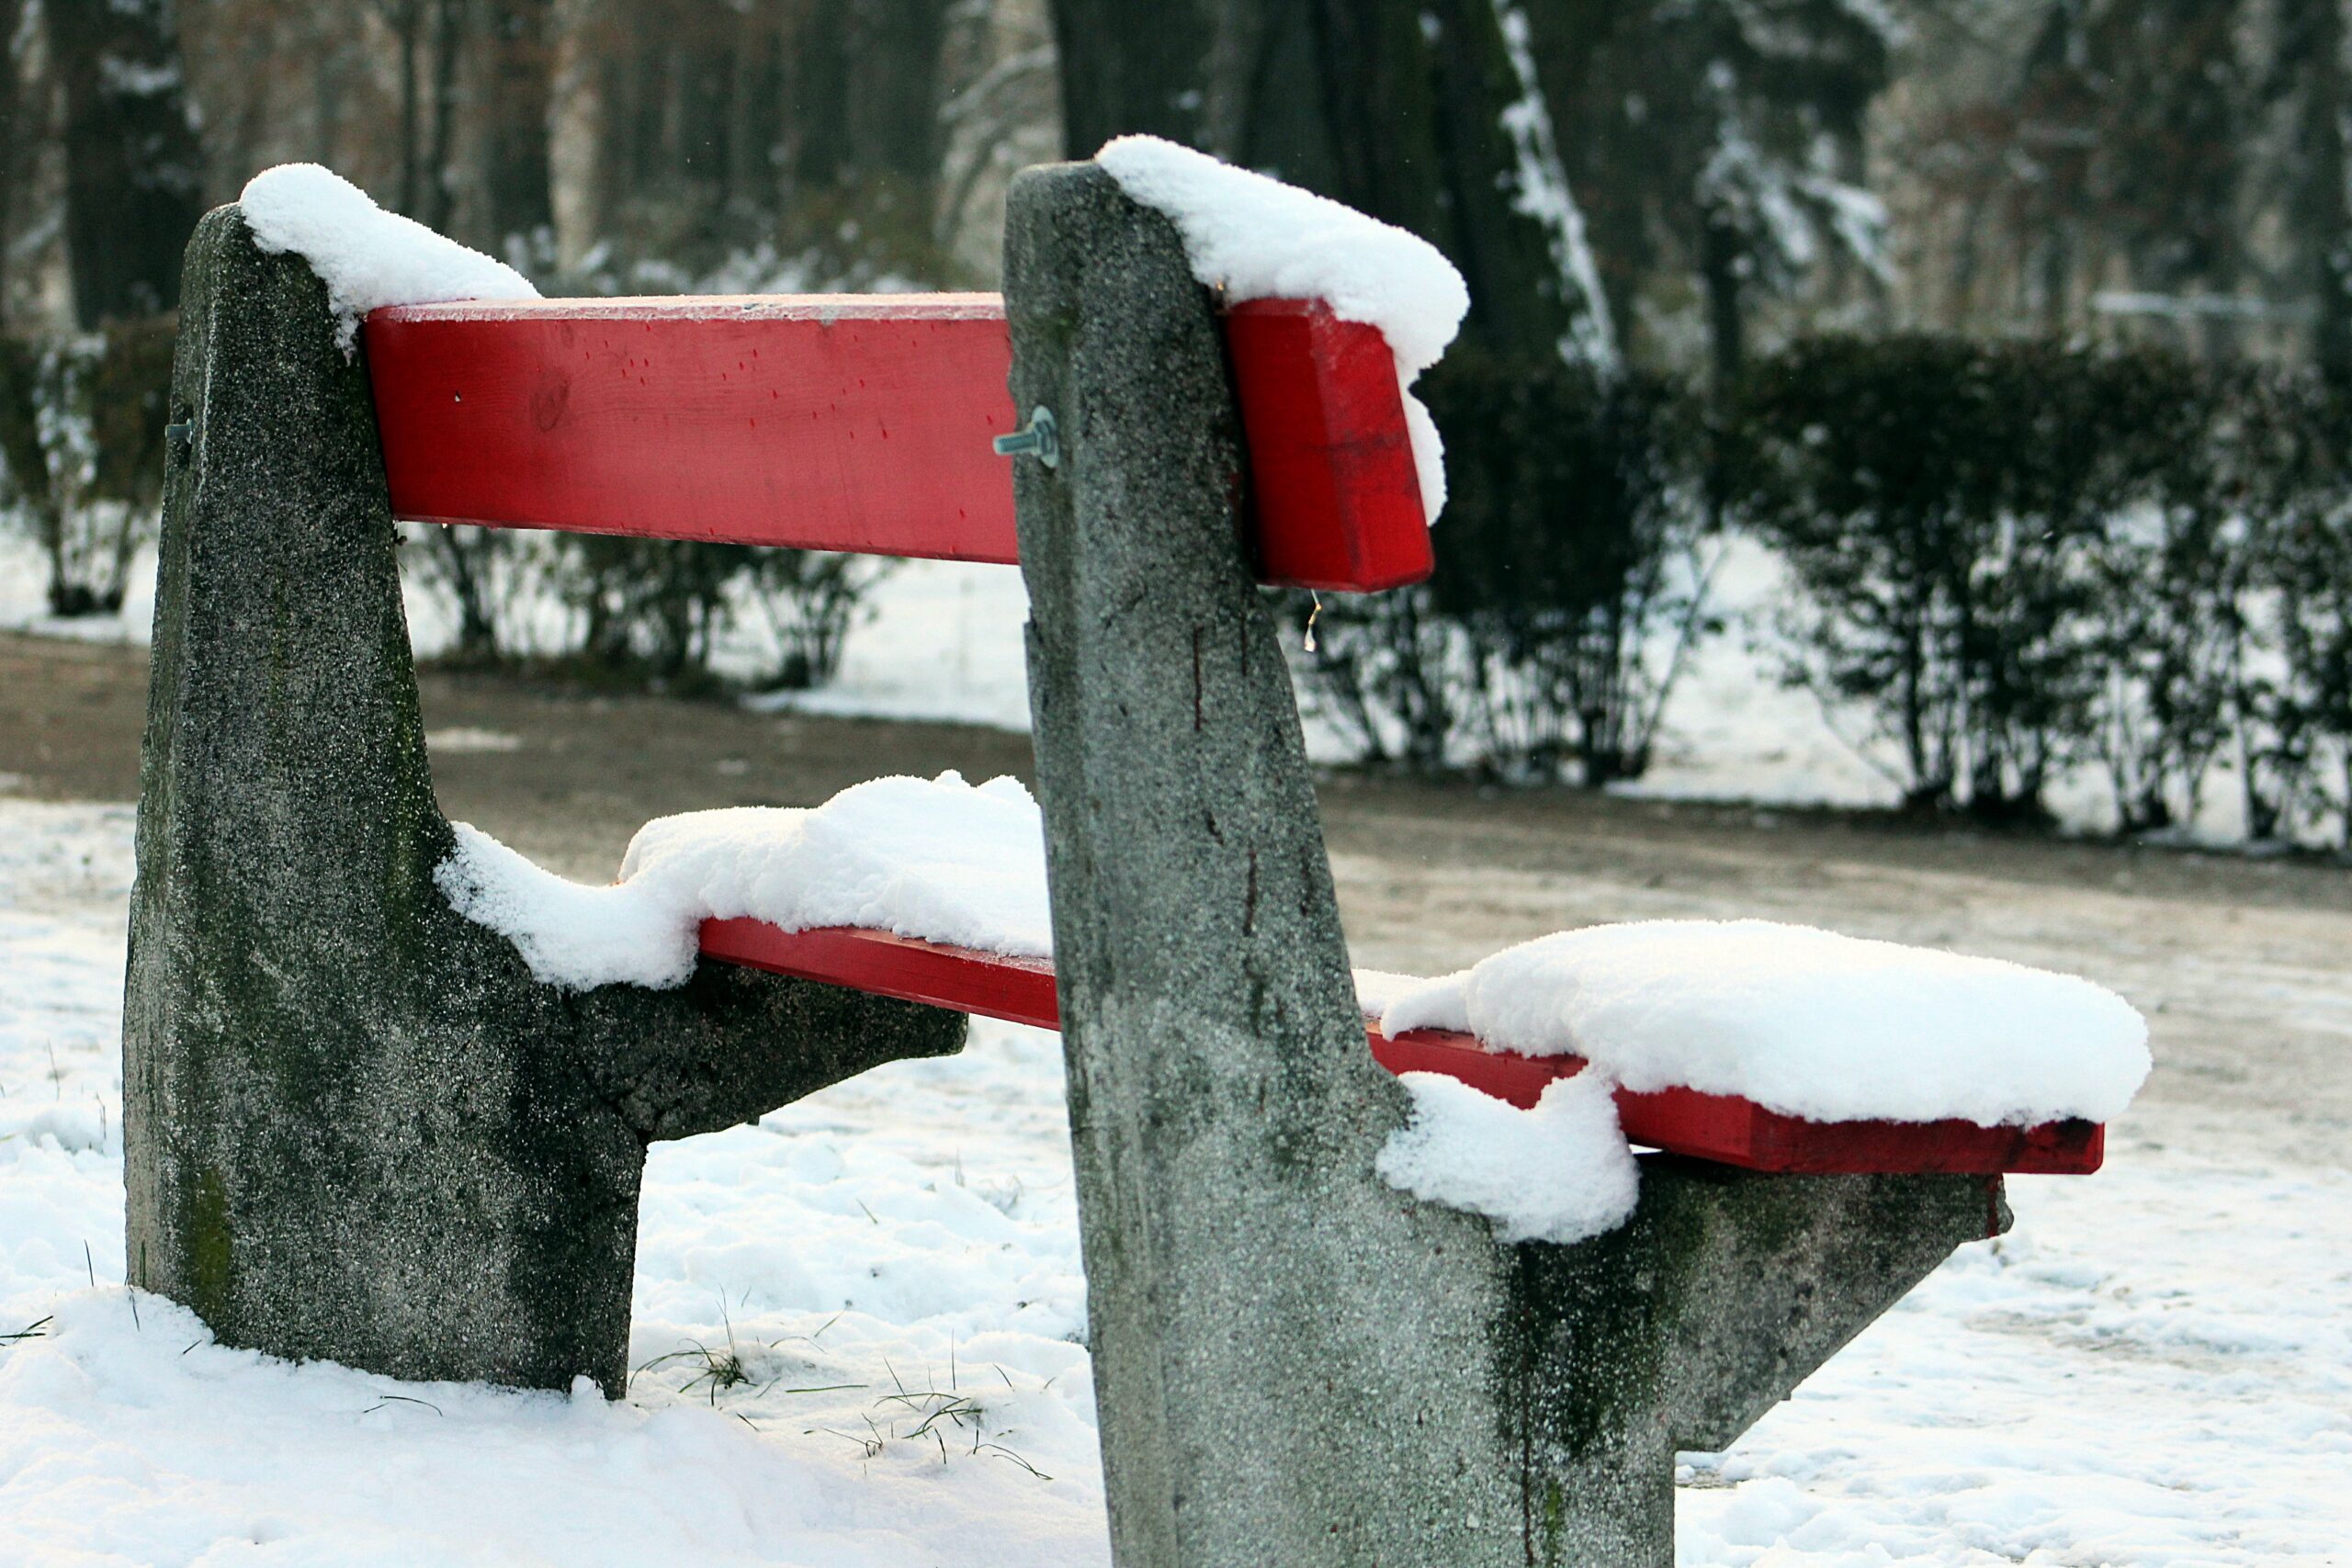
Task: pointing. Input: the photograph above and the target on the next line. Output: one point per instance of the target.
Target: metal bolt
(1041, 436)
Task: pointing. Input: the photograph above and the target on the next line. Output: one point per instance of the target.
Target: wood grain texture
(857, 422)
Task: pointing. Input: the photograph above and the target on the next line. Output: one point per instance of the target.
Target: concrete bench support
(1295, 1363)
(355, 1127)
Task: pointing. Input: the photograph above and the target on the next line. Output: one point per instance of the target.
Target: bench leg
(355, 1126)
(1296, 1363)
(1677, 1331)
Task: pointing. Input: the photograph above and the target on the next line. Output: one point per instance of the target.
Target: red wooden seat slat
(1019, 991)
(848, 423)
(1723, 1128)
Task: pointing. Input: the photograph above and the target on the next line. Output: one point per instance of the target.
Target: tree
(1427, 116)
(13, 137)
(515, 183)
(1717, 147)
(1783, 88)
(427, 35)
(2310, 74)
(864, 115)
(133, 171)
(891, 123)
(2177, 138)
(802, 136)
(2143, 143)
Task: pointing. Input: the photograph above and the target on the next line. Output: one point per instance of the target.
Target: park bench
(659, 418)
(356, 1127)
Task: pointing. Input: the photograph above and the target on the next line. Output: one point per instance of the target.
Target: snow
(906, 1229)
(1545, 195)
(367, 257)
(1802, 1020)
(2154, 1367)
(1376, 988)
(944, 644)
(936, 859)
(1558, 1172)
(943, 861)
(467, 739)
(1256, 238)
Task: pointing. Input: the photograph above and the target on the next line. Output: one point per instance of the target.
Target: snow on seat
(1767, 1046)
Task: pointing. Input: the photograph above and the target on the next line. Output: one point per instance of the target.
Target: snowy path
(942, 642)
(2153, 1369)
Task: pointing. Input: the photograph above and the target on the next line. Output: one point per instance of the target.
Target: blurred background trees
(1674, 183)
(2019, 331)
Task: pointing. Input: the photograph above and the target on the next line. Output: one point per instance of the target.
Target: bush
(82, 422)
(2021, 558)
(651, 610)
(1568, 587)
(1384, 670)
(481, 574)
(2296, 728)
(810, 600)
(1943, 506)
(1571, 546)
(2173, 579)
(646, 609)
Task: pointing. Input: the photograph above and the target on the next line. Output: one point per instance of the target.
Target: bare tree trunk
(133, 171)
(1719, 259)
(1394, 106)
(2317, 27)
(516, 181)
(755, 100)
(406, 20)
(447, 30)
(817, 93)
(579, 129)
(892, 113)
(14, 136)
(1119, 78)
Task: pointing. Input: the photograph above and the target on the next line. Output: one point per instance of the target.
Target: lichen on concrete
(1295, 1363)
(355, 1126)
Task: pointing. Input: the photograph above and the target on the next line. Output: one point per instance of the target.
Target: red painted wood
(1519, 1079)
(1733, 1131)
(856, 422)
(1325, 419)
(1019, 991)
(846, 422)
(1716, 1127)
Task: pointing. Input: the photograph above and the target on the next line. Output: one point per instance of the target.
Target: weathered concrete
(355, 1126)
(1296, 1363)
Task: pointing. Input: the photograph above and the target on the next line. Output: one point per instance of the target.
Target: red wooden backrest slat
(857, 422)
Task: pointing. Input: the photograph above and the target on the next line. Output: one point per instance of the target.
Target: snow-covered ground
(896, 1264)
(943, 643)
(24, 579)
(2154, 1368)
